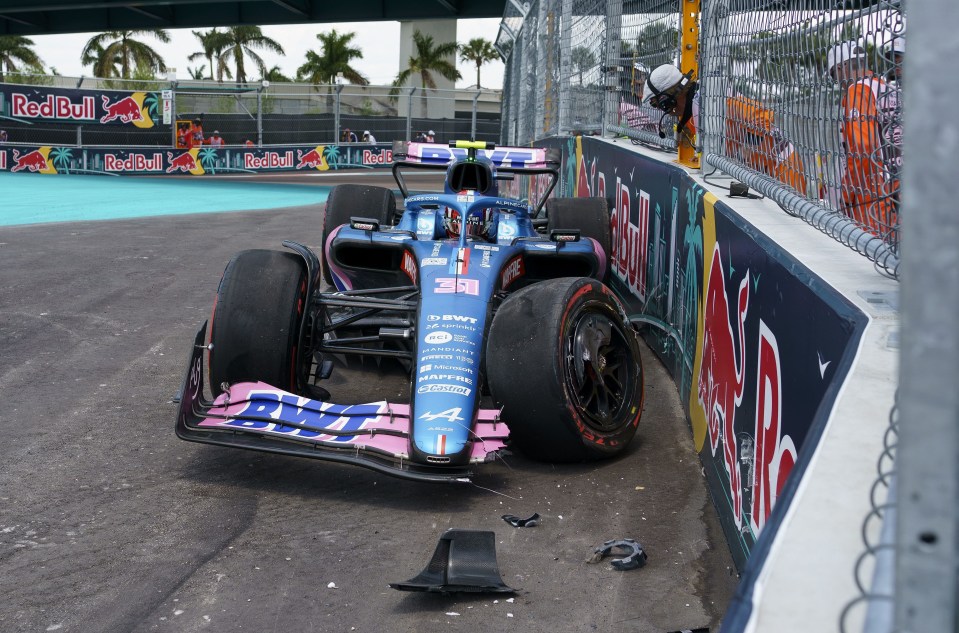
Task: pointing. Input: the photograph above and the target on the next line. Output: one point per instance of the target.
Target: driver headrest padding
(475, 175)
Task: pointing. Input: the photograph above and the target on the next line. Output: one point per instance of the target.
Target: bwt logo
(630, 241)
(499, 157)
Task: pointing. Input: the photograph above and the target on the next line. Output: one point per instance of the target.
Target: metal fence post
(689, 60)
(927, 456)
(473, 124)
(173, 115)
(336, 114)
(259, 117)
(79, 136)
(565, 46)
(409, 114)
(614, 24)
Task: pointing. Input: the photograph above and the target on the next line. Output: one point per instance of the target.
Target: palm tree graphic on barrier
(152, 103)
(207, 158)
(62, 157)
(332, 154)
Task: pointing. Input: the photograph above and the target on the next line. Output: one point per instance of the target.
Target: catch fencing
(769, 112)
(262, 113)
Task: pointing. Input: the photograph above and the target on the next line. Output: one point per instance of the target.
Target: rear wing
(511, 159)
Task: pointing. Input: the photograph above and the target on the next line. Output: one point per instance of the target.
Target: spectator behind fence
(216, 140)
(631, 86)
(891, 105)
(866, 187)
(420, 137)
(348, 136)
(753, 140)
(195, 134)
(672, 92)
(248, 143)
(431, 137)
(368, 138)
(182, 132)
(3, 136)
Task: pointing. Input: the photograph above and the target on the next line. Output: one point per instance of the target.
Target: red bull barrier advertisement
(758, 346)
(83, 107)
(200, 161)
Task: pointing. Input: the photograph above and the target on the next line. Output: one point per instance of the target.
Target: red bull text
(133, 163)
(269, 160)
(53, 107)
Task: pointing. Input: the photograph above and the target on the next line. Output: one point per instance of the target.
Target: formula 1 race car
(482, 297)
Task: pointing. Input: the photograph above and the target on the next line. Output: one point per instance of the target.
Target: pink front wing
(382, 426)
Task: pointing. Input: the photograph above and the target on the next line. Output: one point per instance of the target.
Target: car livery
(425, 290)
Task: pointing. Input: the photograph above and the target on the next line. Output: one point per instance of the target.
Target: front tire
(256, 320)
(565, 364)
(589, 215)
(363, 201)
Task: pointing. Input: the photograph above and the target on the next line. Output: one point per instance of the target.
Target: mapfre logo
(512, 271)
(409, 266)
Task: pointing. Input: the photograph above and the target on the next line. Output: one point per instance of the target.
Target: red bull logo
(133, 162)
(630, 241)
(126, 110)
(721, 378)
(378, 157)
(184, 162)
(34, 161)
(312, 159)
(775, 453)
(269, 160)
(53, 107)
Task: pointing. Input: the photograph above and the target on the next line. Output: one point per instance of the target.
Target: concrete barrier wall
(759, 345)
(206, 160)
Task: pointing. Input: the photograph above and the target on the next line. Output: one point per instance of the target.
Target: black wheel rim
(600, 370)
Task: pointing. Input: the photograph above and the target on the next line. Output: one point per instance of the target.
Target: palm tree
(479, 51)
(106, 50)
(658, 44)
(334, 60)
(16, 49)
(196, 73)
(275, 75)
(212, 42)
(427, 59)
(240, 41)
(582, 59)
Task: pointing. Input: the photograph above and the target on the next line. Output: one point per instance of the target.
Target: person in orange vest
(753, 140)
(194, 137)
(867, 192)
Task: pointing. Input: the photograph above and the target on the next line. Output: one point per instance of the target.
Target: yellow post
(689, 60)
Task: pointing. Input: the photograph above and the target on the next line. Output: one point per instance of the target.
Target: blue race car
(482, 297)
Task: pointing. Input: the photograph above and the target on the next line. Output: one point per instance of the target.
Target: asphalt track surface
(108, 522)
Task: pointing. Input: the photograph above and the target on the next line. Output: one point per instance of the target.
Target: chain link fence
(273, 114)
(772, 110)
